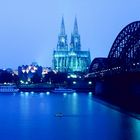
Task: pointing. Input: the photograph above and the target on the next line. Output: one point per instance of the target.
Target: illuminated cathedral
(70, 58)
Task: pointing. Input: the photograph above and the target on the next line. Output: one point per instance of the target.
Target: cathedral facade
(70, 58)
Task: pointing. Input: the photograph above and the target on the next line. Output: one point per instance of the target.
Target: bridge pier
(122, 90)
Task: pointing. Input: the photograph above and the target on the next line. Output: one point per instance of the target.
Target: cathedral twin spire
(75, 38)
(75, 29)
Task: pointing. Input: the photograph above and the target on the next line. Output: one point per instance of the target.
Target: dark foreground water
(30, 116)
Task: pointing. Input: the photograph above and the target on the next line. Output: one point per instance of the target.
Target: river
(33, 116)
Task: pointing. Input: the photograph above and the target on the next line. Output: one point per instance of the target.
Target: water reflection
(14, 94)
(24, 105)
(48, 93)
(75, 94)
(65, 94)
(32, 93)
(42, 94)
(90, 94)
(28, 117)
(22, 94)
(74, 104)
(136, 129)
(26, 94)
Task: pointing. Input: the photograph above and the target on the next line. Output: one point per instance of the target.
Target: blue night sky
(29, 28)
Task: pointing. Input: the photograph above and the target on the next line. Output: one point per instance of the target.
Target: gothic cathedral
(70, 58)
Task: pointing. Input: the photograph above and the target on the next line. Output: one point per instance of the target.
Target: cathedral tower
(75, 44)
(62, 38)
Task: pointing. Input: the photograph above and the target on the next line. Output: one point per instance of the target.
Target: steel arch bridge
(125, 51)
(124, 55)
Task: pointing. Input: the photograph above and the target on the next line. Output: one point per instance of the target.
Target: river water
(32, 116)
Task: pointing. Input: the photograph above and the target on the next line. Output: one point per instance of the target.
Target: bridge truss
(125, 51)
(124, 55)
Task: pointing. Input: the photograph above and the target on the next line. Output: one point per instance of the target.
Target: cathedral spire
(62, 30)
(75, 30)
(75, 38)
(62, 38)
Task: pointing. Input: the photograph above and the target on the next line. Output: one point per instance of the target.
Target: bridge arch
(125, 50)
(98, 64)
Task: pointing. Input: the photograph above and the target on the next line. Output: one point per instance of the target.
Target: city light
(22, 82)
(74, 82)
(68, 76)
(73, 76)
(89, 82)
(26, 83)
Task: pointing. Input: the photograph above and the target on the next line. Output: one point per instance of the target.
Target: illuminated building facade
(27, 72)
(70, 58)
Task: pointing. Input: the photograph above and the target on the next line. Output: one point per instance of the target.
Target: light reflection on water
(33, 116)
(48, 93)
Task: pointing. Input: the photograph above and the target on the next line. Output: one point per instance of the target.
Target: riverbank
(117, 107)
(44, 87)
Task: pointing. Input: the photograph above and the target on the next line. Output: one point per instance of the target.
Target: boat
(8, 89)
(59, 114)
(63, 90)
